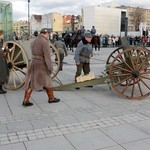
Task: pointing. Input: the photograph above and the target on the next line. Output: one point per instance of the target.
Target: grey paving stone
(90, 140)
(143, 125)
(3, 128)
(67, 119)
(138, 145)
(125, 133)
(42, 123)
(17, 146)
(19, 126)
(113, 148)
(50, 143)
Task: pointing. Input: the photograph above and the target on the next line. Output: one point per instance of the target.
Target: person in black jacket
(3, 66)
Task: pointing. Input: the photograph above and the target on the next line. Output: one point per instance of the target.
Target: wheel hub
(135, 74)
(10, 65)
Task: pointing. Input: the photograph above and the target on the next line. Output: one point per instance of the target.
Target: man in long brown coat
(40, 69)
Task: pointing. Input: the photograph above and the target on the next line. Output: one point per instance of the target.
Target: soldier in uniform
(40, 69)
(3, 65)
(62, 50)
(83, 54)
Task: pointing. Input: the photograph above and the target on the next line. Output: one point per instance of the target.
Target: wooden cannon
(127, 72)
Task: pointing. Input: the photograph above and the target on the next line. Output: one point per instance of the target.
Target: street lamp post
(28, 19)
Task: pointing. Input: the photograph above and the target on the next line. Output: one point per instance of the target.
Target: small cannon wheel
(55, 60)
(17, 63)
(131, 67)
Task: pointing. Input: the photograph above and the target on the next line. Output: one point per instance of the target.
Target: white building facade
(106, 20)
(53, 21)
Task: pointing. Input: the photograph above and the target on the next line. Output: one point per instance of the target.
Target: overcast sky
(20, 7)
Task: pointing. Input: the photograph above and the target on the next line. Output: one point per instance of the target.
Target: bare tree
(137, 17)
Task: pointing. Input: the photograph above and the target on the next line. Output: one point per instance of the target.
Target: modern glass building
(6, 19)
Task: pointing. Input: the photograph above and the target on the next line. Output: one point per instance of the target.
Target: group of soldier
(41, 67)
(81, 31)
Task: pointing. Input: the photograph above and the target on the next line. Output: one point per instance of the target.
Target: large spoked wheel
(131, 68)
(17, 63)
(55, 60)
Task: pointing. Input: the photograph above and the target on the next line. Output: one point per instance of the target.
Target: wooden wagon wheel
(132, 67)
(17, 62)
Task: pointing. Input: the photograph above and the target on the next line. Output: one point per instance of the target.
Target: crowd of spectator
(115, 41)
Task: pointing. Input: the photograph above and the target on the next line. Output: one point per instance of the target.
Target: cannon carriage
(127, 71)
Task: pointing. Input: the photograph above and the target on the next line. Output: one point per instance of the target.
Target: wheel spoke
(131, 60)
(20, 62)
(121, 75)
(126, 79)
(8, 58)
(148, 78)
(125, 63)
(137, 60)
(17, 56)
(144, 83)
(19, 70)
(17, 76)
(140, 89)
(13, 78)
(144, 68)
(127, 86)
(133, 87)
(12, 52)
(143, 62)
(145, 72)
(122, 68)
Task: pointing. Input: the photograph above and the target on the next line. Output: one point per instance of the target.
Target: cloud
(20, 7)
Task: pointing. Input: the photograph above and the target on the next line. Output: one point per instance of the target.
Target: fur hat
(45, 30)
(87, 34)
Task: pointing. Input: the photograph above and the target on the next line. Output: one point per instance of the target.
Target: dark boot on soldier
(2, 91)
(51, 97)
(27, 95)
(77, 88)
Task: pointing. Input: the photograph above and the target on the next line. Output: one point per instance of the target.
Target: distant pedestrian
(93, 30)
(35, 33)
(82, 30)
(39, 72)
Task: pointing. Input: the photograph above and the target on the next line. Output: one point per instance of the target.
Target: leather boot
(51, 98)
(2, 91)
(26, 98)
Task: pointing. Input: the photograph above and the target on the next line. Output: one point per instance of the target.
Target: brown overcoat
(38, 74)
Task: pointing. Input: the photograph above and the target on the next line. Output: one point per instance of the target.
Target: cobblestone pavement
(86, 119)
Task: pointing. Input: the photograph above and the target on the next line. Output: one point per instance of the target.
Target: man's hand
(4, 46)
(77, 64)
